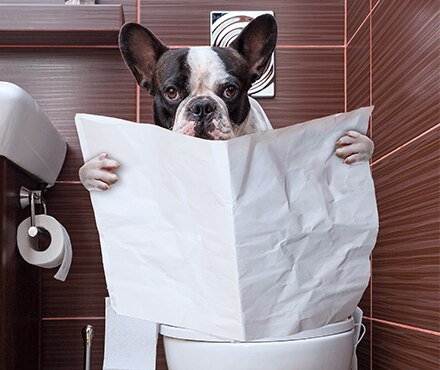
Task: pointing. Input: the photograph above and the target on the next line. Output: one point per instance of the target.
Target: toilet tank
(27, 137)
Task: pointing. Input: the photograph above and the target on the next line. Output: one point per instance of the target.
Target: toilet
(327, 348)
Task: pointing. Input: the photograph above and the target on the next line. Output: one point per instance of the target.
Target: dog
(203, 91)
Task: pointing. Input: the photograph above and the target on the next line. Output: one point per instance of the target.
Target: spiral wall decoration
(225, 27)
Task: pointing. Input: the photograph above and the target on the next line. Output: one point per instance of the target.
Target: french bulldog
(203, 91)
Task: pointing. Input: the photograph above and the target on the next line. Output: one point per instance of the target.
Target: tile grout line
(138, 91)
(371, 311)
(293, 46)
(370, 326)
(345, 55)
(138, 103)
(345, 23)
(371, 161)
(73, 318)
(345, 81)
(405, 144)
(365, 19)
(371, 344)
(48, 46)
(371, 73)
(53, 46)
(40, 323)
(67, 182)
(280, 46)
(403, 326)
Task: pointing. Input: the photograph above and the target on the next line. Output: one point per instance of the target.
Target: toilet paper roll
(59, 251)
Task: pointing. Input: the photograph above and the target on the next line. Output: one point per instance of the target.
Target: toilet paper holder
(33, 197)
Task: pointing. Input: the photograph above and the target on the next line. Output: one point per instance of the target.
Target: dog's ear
(256, 43)
(141, 50)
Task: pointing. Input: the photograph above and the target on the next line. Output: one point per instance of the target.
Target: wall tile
(62, 344)
(405, 71)
(83, 292)
(129, 8)
(406, 260)
(60, 39)
(19, 281)
(187, 22)
(395, 348)
(65, 82)
(357, 10)
(364, 303)
(358, 69)
(363, 349)
(38, 17)
(35, 2)
(129, 5)
(161, 363)
(309, 84)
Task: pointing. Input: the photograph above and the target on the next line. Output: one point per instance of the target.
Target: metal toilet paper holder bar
(33, 197)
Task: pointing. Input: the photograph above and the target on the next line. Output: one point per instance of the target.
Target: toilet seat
(327, 330)
(330, 347)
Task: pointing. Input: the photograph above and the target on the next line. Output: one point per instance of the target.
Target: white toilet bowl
(327, 348)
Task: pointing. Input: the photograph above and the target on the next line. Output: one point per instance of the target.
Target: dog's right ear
(141, 50)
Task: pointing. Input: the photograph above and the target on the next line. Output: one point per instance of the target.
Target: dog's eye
(230, 92)
(171, 93)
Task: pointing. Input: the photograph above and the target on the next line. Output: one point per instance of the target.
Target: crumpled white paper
(264, 235)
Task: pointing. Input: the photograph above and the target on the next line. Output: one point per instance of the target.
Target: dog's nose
(201, 108)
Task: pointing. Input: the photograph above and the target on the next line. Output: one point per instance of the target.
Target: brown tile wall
(20, 283)
(93, 79)
(393, 62)
(300, 22)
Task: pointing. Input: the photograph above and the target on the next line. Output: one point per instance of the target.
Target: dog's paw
(98, 173)
(354, 147)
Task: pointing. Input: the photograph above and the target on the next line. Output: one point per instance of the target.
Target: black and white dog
(203, 91)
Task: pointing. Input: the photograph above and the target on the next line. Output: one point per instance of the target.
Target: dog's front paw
(98, 173)
(354, 147)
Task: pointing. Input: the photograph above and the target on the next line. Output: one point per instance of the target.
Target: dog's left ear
(141, 50)
(256, 43)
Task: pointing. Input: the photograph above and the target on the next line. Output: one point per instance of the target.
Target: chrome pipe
(87, 333)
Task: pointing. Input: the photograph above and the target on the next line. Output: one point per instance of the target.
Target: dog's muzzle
(204, 117)
(203, 111)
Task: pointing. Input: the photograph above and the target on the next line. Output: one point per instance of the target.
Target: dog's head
(200, 91)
